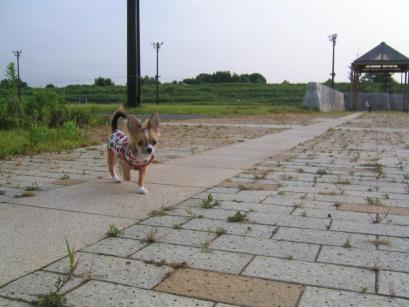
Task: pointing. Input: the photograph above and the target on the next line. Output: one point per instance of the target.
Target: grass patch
(237, 217)
(113, 231)
(52, 299)
(41, 139)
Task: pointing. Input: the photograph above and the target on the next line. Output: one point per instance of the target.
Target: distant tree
(257, 78)
(50, 85)
(285, 82)
(148, 80)
(222, 77)
(203, 78)
(225, 77)
(103, 81)
(189, 81)
(4, 83)
(381, 79)
(244, 78)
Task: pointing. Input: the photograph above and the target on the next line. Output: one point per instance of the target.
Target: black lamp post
(133, 54)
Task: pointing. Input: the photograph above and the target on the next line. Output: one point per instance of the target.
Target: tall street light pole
(133, 54)
(17, 53)
(333, 39)
(157, 46)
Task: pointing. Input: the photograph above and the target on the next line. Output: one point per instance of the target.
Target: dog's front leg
(141, 187)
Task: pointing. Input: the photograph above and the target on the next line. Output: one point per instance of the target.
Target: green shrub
(37, 134)
(46, 107)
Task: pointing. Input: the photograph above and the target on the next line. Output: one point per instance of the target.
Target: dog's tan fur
(139, 136)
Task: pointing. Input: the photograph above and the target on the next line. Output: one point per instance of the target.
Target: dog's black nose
(149, 149)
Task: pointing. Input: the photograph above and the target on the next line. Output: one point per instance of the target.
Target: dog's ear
(133, 124)
(153, 122)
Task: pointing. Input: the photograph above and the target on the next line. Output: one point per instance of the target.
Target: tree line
(226, 77)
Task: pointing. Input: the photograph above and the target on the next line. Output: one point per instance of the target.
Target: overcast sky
(77, 40)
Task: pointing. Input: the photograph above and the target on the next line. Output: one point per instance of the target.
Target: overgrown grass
(200, 109)
(41, 139)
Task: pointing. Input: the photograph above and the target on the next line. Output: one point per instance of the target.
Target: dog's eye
(140, 143)
(153, 142)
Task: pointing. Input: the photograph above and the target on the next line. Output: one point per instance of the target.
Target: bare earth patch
(271, 119)
(394, 120)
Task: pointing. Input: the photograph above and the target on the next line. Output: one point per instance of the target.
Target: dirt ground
(381, 120)
(271, 119)
(194, 139)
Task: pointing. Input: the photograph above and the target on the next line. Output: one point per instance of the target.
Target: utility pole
(133, 54)
(17, 53)
(333, 38)
(157, 46)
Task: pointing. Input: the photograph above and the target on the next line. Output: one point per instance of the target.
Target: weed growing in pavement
(34, 187)
(347, 243)
(209, 202)
(113, 231)
(220, 231)
(205, 247)
(237, 217)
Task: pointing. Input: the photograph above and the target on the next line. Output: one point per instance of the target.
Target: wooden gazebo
(381, 59)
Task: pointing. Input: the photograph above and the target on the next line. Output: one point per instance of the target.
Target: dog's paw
(115, 179)
(142, 190)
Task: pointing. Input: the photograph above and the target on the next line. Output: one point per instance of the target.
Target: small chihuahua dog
(135, 151)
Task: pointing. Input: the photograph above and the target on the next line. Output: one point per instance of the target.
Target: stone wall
(323, 98)
(377, 101)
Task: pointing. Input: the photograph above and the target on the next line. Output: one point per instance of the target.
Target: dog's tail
(118, 113)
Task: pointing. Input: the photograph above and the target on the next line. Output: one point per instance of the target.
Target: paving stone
(266, 247)
(394, 283)
(374, 209)
(28, 287)
(141, 232)
(357, 257)
(393, 244)
(9, 303)
(288, 220)
(216, 196)
(187, 237)
(320, 297)
(97, 293)
(194, 257)
(223, 190)
(191, 212)
(120, 270)
(309, 273)
(374, 229)
(232, 289)
(325, 237)
(115, 247)
(252, 196)
(165, 220)
(242, 229)
(338, 215)
(273, 209)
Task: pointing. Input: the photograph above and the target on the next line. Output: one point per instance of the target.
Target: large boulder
(323, 98)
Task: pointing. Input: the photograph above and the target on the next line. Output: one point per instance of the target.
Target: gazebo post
(406, 91)
(354, 90)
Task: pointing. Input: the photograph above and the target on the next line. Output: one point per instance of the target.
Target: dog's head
(143, 138)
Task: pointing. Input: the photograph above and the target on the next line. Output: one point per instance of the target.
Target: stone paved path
(325, 224)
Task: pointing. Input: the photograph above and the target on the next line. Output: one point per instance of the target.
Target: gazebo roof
(382, 54)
